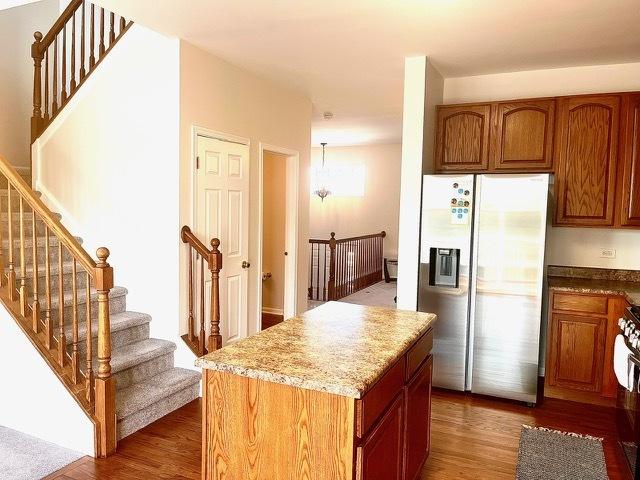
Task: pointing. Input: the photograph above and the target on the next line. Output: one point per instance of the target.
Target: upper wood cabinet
(586, 149)
(630, 155)
(462, 137)
(522, 135)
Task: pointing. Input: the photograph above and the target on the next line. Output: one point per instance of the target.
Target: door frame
(292, 190)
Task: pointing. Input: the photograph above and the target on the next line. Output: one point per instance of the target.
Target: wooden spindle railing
(69, 68)
(341, 267)
(49, 318)
(199, 343)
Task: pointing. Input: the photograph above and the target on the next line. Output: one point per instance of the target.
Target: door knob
(245, 264)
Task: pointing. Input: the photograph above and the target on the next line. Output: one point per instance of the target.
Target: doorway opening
(278, 239)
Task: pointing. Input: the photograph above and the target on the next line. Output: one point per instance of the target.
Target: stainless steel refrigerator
(481, 271)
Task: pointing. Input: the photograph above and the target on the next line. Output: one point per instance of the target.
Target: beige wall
(565, 246)
(221, 97)
(377, 210)
(17, 26)
(274, 196)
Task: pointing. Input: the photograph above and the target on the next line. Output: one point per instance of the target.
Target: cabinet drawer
(418, 353)
(580, 303)
(375, 402)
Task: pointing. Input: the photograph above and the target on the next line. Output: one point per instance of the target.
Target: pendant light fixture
(322, 176)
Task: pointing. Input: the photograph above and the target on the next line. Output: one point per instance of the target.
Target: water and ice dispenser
(444, 264)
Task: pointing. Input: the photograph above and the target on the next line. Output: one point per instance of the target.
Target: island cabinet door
(379, 456)
(417, 420)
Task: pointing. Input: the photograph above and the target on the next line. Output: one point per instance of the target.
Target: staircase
(44, 281)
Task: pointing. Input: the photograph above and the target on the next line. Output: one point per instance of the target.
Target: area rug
(547, 454)
(23, 457)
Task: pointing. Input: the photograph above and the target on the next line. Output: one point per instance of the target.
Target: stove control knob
(635, 342)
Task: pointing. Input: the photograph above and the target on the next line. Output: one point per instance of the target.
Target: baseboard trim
(273, 311)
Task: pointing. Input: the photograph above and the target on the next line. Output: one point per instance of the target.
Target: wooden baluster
(215, 265)
(88, 371)
(83, 71)
(123, 25)
(332, 267)
(12, 272)
(381, 256)
(191, 319)
(310, 289)
(54, 74)
(102, 49)
(63, 80)
(201, 336)
(46, 85)
(92, 38)
(318, 272)
(73, 53)
(24, 301)
(105, 386)
(48, 322)
(324, 272)
(112, 32)
(36, 54)
(35, 305)
(62, 338)
(75, 364)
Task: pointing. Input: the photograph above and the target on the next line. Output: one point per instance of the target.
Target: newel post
(105, 384)
(37, 55)
(332, 267)
(215, 265)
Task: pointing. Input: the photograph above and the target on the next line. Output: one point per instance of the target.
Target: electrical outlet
(608, 253)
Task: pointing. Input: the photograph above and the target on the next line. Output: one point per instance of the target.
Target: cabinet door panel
(380, 454)
(417, 420)
(522, 135)
(630, 213)
(586, 150)
(577, 351)
(462, 138)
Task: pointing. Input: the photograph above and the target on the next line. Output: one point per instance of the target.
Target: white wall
(17, 26)
(565, 246)
(33, 400)
(423, 86)
(109, 164)
(377, 210)
(224, 98)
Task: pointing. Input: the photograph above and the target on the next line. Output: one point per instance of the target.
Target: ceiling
(348, 55)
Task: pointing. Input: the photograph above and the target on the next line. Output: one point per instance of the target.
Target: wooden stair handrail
(53, 87)
(213, 257)
(94, 394)
(25, 191)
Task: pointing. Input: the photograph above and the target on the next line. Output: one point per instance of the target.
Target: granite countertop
(338, 348)
(600, 281)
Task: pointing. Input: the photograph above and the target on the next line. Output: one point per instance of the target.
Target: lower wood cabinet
(580, 336)
(379, 456)
(417, 433)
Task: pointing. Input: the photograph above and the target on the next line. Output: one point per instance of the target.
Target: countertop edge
(310, 384)
(602, 290)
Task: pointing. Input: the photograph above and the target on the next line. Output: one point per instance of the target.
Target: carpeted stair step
(27, 224)
(15, 200)
(117, 304)
(28, 251)
(67, 277)
(126, 328)
(138, 361)
(143, 403)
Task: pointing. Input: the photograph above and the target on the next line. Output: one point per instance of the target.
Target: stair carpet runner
(148, 385)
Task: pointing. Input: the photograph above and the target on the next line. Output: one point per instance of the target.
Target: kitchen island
(340, 392)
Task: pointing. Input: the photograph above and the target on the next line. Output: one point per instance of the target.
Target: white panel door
(222, 211)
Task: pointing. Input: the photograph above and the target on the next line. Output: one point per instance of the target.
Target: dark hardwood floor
(271, 319)
(472, 438)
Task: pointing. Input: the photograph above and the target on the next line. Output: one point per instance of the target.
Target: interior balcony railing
(341, 267)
